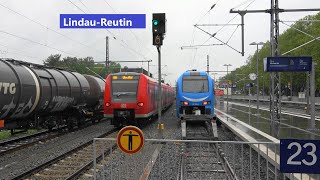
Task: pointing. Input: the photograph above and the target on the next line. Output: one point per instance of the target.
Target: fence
(189, 159)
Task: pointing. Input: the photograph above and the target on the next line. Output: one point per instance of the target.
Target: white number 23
(310, 153)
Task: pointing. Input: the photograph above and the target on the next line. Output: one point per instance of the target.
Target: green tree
(289, 39)
(53, 60)
(81, 65)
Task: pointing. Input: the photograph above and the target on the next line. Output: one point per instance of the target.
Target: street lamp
(214, 76)
(227, 87)
(257, 80)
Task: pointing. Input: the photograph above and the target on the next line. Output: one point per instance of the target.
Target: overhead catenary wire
(136, 37)
(113, 35)
(314, 38)
(317, 38)
(214, 34)
(302, 20)
(193, 34)
(232, 34)
(48, 28)
(292, 26)
(18, 50)
(35, 42)
(208, 11)
(84, 5)
(235, 15)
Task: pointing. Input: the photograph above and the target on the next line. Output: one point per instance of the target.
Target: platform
(241, 130)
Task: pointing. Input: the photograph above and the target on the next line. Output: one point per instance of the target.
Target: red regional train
(131, 98)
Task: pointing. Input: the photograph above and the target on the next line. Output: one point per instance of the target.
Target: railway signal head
(158, 28)
(155, 22)
(158, 23)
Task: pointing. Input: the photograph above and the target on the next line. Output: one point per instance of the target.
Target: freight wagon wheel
(80, 121)
(71, 122)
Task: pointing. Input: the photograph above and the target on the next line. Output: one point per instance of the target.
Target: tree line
(81, 65)
(288, 40)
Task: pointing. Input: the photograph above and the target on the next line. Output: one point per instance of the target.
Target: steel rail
(28, 144)
(5, 142)
(90, 164)
(56, 159)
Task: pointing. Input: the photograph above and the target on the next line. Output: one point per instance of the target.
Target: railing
(191, 159)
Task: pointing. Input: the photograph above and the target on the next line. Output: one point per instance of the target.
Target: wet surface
(291, 127)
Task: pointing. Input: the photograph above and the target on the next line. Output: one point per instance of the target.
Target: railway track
(201, 159)
(18, 143)
(70, 164)
(204, 161)
(26, 141)
(198, 131)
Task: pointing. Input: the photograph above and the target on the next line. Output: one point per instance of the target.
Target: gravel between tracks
(131, 167)
(167, 164)
(25, 159)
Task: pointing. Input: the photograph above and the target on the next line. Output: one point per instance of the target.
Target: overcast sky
(27, 34)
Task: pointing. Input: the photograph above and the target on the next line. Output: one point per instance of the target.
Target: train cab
(195, 96)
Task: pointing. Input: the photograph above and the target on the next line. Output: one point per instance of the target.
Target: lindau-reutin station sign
(287, 64)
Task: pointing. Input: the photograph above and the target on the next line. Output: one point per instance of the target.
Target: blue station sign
(103, 21)
(287, 64)
(299, 156)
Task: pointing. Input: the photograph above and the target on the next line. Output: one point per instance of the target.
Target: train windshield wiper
(202, 88)
(124, 93)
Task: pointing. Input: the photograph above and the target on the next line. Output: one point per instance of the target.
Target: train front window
(124, 90)
(195, 84)
(124, 87)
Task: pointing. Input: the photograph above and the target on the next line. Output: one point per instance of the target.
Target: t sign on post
(299, 156)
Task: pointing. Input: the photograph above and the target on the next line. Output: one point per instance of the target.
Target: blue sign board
(300, 156)
(287, 64)
(102, 21)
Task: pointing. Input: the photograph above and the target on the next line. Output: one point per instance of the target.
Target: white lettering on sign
(81, 22)
(6, 88)
(91, 23)
(116, 23)
(299, 149)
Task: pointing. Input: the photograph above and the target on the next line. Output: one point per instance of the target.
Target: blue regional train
(195, 96)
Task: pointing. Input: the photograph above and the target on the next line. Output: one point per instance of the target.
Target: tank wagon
(131, 98)
(32, 94)
(195, 96)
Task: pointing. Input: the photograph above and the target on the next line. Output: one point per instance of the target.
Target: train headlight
(107, 104)
(206, 103)
(184, 103)
(140, 104)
